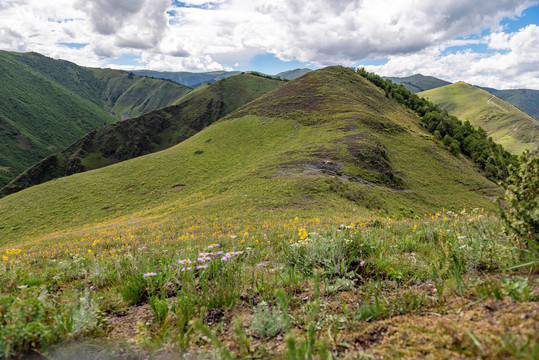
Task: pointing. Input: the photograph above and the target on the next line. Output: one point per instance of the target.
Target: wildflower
(202, 266)
(225, 258)
(158, 268)
(212, 246)
(186, 269)
(302, 234)
(149, 274)
(184, 261)
(203, 258)
(233, 236)
(265, 237)
(361, 263)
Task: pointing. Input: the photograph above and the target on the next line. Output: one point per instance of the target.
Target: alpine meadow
(170, 199)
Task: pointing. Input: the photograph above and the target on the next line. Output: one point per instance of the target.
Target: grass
(264, 291)
(498, 117)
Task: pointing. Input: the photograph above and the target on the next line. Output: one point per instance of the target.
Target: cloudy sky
(487, 43)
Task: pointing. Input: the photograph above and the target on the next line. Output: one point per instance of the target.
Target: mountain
(186, 78)
(121, 93)
(417, 83)
(505, 123)
(46, 104)
(325, 142)
(525, 99)
(151, 132)
(292, 74)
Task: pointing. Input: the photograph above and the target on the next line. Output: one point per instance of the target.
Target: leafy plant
(267, 323)
(521, 211)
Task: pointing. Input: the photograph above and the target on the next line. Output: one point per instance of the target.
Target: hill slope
(38, 116)
(119, 92)
(47, 104)
(325, 142)
(154, 131)
(526, 100)
(417, 83)
(507, 125)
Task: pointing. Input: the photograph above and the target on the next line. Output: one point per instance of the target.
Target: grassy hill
(325, 141)
(417, 83)
(526, 100)
(47, 104)
(121, 93)
(505, 123)
(38, 116)
(152, 132)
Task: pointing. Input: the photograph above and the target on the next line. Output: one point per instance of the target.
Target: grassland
(327, 201)
(505, 123)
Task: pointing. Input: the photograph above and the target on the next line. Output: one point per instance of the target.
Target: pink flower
(149, 274)
(186, 269)
(184, 261)
(212, 246)
(202, 266)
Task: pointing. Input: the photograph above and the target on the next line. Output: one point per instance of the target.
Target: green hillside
(121, 93)
(154, 131)
(417, 83)
(526, 100)
(47, 104)
(321, 143)
(38, 117)
(506, 124)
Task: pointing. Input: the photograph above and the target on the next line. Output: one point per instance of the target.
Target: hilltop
(505, 123)
(417, 83)
(48, 104)
(326, 141)
(149, 133)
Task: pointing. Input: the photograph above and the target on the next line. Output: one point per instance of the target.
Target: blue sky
(488, 44)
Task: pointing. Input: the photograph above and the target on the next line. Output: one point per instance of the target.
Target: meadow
(442, 285)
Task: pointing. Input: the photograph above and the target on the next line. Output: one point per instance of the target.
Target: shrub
(521, 210)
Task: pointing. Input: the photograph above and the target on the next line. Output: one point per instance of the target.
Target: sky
(485, 43)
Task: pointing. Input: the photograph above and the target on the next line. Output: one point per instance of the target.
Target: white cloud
(516, 67)
(208, 35)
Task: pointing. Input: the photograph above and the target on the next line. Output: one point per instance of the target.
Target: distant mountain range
(417, 83)
(196, 79)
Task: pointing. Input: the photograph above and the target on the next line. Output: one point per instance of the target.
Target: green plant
(521, 211)
(267, 323)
